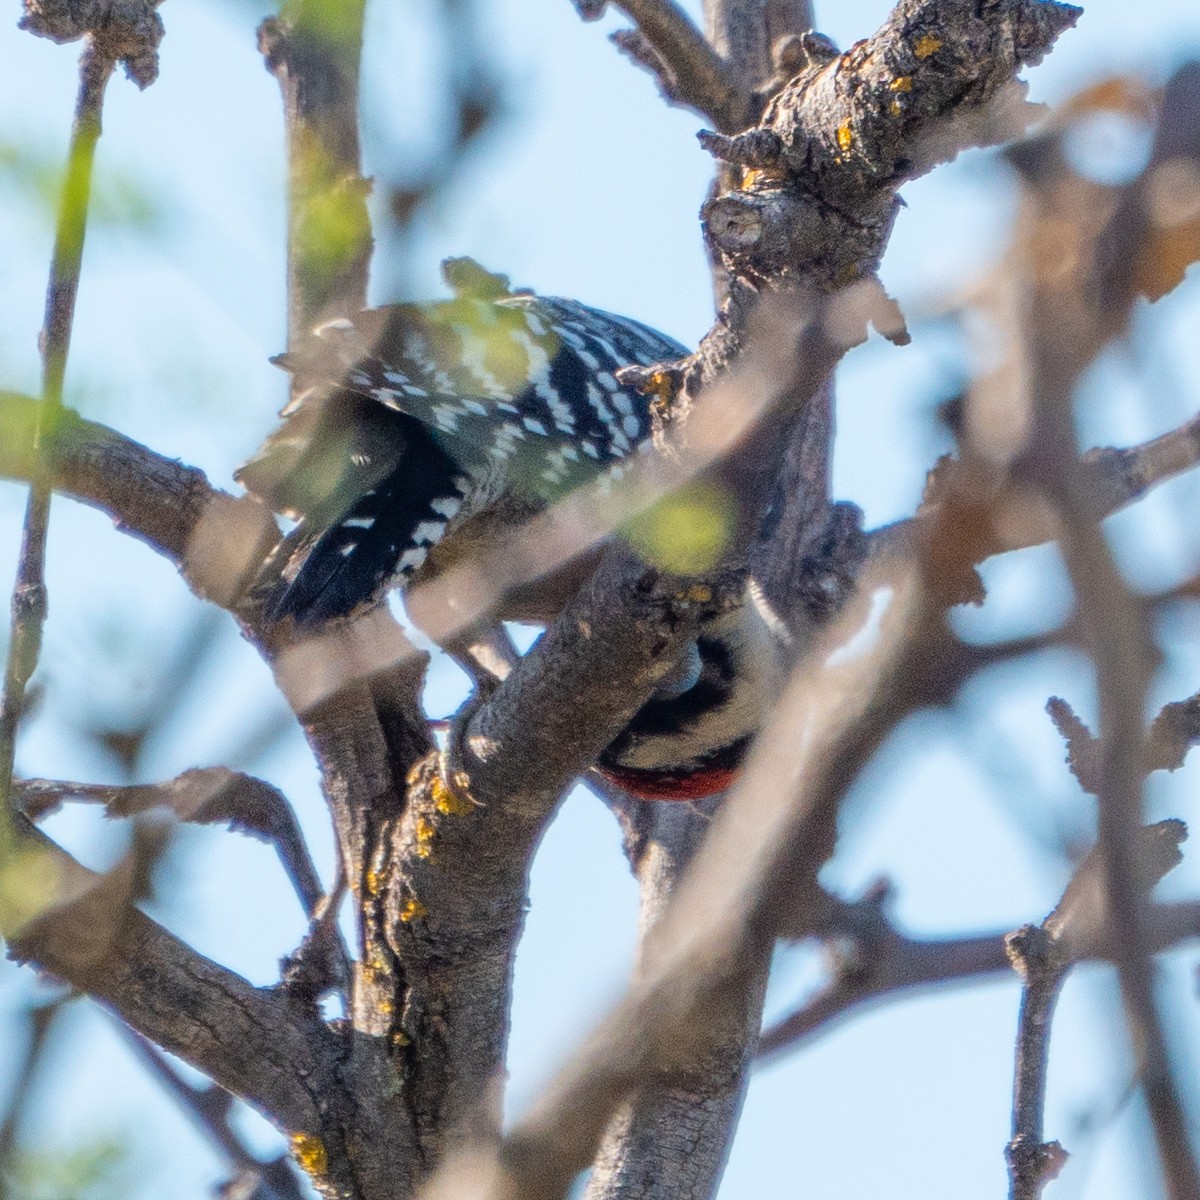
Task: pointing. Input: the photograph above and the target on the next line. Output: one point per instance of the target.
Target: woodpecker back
(411, 417)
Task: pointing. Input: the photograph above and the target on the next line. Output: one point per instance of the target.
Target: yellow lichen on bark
(424, 831)
(453, 801)
(309, 1153)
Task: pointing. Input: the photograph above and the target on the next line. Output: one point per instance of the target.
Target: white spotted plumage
(495, 393)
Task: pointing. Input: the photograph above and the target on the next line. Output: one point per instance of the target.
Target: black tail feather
(328, 569)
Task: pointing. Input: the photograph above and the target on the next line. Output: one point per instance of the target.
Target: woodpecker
(412, 424)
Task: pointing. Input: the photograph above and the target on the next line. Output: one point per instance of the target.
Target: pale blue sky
(590, 189)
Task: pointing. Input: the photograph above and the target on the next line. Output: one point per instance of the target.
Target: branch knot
(125, 31)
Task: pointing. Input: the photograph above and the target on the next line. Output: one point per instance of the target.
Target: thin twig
(29, 600)
(690, 72)
(215, 796)
(882, 964)
(1110, 479)
(1172, 734)
(40, 1019)
(1080, 926)
(200, 796)
(1032, 1161)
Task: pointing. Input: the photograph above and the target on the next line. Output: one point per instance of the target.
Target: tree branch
(249, 1041)
(882, 964)
(216, 540)
(675, 1134)
(29, 598)
(754, 877)
(205, 796)
(313, 50)
(1070, 316)
(1110, 480)
(672, 1138)
(1080, 926)
(689, 71)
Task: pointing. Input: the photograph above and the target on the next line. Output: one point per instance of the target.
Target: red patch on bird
(658, 785)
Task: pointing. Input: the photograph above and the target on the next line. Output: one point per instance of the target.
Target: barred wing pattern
(409, 416)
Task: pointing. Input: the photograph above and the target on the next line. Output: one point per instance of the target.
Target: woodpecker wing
(403, 410)
(523, 385)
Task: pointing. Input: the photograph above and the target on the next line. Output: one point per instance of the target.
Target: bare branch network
(400, 1097)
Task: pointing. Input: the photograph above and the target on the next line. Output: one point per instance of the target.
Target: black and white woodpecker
(413, 425)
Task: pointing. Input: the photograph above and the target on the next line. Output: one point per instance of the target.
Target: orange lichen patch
(753, 177)
(376, 966)
(413, 910)
(424, 831)
(373, 881)
(845, 136)
(698, 593)
(927, 44)
(309, 1153)
(452, 801)
(902, 83)
(896, 108)
(399, 1039)
(660, 385)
